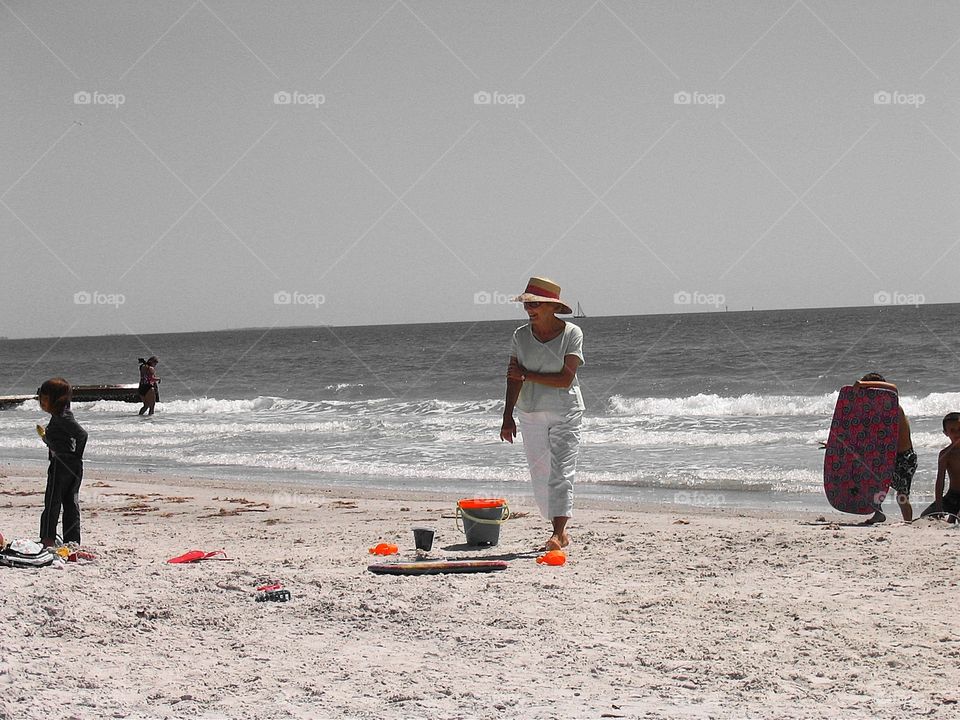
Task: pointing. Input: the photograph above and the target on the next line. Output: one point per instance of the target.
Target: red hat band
(544, 292)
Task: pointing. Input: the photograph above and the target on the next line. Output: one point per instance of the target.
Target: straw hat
(543, 290)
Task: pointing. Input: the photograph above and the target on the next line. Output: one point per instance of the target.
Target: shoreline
(655, 615)
(590, 496)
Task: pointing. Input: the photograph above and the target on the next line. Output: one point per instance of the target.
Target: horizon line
(447, 322)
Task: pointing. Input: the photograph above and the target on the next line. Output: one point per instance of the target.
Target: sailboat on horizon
(579, 313)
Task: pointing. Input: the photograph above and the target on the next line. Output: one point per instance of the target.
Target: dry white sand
(656, 614)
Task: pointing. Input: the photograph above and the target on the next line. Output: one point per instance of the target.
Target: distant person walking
(65, 441)
(149, 389)
(542, 384)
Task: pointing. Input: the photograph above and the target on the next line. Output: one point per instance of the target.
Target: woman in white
(542, 384)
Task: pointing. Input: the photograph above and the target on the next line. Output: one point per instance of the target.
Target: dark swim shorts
(951, 502)
(903, 471)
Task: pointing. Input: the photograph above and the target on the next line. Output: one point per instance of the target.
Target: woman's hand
(515, 371)
(508, 430)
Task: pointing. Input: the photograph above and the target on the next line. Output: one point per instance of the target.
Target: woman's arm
(508, 429)
(876, 384)
(562, 379)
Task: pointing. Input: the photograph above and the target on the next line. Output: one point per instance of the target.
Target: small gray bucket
(482, 518)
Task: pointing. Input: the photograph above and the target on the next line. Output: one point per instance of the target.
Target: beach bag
(25, 554)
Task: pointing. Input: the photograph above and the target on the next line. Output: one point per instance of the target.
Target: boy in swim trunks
(949, 465)
(906, 463)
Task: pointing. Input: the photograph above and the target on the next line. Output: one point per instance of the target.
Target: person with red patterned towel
(861, 450)
(906, 463)
(542, 385)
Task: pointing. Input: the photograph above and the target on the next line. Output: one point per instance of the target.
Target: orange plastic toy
(553, 557)
(384, 549)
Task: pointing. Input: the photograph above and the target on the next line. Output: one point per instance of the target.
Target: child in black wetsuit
(65, 440)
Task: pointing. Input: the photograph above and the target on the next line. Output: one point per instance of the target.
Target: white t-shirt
(547, 358)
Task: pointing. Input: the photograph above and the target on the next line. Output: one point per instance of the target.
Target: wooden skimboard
(861, 449)
(437, 567)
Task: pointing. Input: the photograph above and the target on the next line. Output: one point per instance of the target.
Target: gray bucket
(482, 519)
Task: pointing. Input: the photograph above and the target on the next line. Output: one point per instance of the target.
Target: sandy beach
(657, 614)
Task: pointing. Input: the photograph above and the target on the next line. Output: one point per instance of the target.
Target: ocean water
(714, 409)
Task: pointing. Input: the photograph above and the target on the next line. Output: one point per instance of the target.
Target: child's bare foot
(878, 517)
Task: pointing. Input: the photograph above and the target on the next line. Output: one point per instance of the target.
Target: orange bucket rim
(481, 503)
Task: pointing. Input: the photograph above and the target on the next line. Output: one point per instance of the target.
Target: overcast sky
(650, 157)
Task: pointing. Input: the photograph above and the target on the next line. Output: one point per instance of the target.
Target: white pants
(551, 440)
